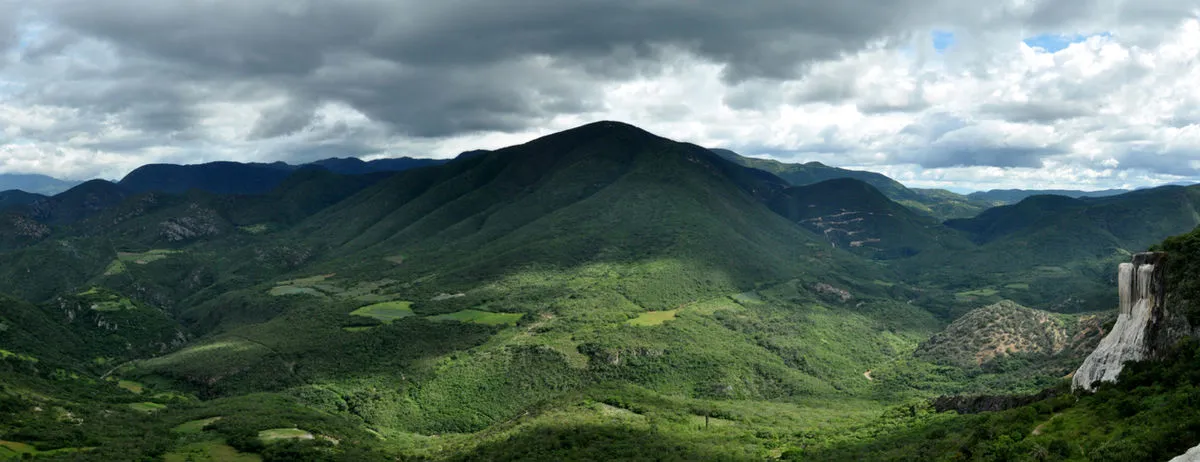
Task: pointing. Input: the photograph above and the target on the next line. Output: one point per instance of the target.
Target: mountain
(355, 166)
(76, 203)
(854, 215)
(1012, 196)
(216, 177)
(33, 183)
(941, 204)
(1055, 252)
(250, 178)
(17, 197)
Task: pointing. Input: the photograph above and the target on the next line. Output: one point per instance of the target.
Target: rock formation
(1141, 328)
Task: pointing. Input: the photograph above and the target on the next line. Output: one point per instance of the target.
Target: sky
(963, 94)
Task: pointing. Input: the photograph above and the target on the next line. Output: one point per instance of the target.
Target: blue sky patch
(942, 39)
(1053, 43)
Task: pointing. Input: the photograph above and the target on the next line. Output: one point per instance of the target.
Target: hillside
(1055, 252)
(1012, 196)
(1148, 414)
(16, 197)
(853, 215)
(1008, 329)
(940, 204)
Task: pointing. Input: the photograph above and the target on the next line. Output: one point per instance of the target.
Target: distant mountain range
(1012, 196)
(33, 183)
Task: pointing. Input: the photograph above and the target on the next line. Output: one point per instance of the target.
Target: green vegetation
(194, 426)
(209, 451)
(937, 203)
(480, 317)
(132, 386)
(275, 434)
(147, 407)
(652, 318)
(385, 312)
(120, 264)
(260, 228)
(560, 262)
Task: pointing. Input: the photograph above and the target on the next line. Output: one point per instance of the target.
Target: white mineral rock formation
(1193, 455)
(1129, 339)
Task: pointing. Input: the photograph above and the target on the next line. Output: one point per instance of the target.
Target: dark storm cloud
(1038, 112)
(284, 119)
(972, 155)
(8, 25)
(442, 68)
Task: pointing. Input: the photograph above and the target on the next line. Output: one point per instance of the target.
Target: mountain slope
(937, 203)
(854, 215)
(17, 197)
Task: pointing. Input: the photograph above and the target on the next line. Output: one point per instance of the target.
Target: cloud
(95, 88)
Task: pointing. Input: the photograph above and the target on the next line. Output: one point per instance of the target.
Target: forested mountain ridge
(937, 203)
(596, 293)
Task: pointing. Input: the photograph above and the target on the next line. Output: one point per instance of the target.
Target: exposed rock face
(1193, 455)
(1142, 329)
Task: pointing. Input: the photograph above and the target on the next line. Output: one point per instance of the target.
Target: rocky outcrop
(1145, 326)
(1193, 455)
(1007, 328)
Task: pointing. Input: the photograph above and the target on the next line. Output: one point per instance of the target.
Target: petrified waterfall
(1135, 335)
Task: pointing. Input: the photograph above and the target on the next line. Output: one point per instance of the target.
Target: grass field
(280, 291)
(195, 426)
(15, 450)
(120, 265)
(984, 292)
(385, 312)
(254, 229)
(652, 318)
(132, 386)
(480, 317)
(147, 407)
(276, 434)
